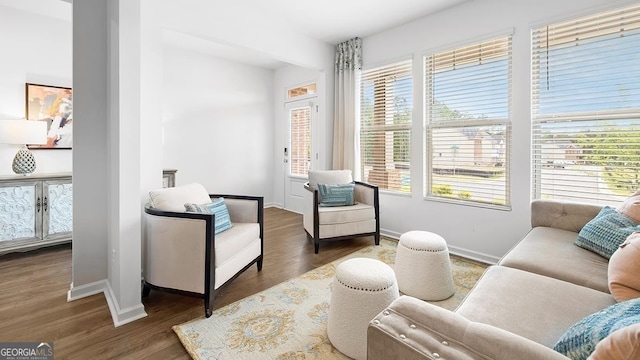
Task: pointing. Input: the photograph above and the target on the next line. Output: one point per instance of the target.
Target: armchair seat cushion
(346, 214)
(232, 241)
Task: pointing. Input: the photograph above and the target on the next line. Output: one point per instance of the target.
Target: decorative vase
(24, 163)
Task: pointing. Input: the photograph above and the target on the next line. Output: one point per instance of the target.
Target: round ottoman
(361, 289)
(422, 266)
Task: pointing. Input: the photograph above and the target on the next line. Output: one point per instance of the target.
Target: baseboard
(122, 316)
(275, 205)
(465, 253)
(119, 316)
(83, 291)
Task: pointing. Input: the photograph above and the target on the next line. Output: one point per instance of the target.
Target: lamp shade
(23, 132)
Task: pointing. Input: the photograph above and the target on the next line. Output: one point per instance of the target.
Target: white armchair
(182, 252)
(340, 222)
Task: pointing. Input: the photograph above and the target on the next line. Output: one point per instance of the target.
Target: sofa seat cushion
(536, 307)
(230, 242)
(345, 214)
(552, 252)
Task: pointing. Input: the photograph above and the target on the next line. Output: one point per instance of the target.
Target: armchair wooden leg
(377, 238)
(208, 303)
(145, 290)
(316, 245)
(260, 264)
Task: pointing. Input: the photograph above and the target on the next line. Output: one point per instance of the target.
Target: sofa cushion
(622, 344)
(536, 307)
(336, 195)
(218, 208)
(345, 214)
(173, 199)
(580, 340)
(606, 232)
(624, 267)
(230, 242)
(631, 207)
(552, 252)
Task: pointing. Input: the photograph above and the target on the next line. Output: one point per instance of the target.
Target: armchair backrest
(174, 198)
(329, 177)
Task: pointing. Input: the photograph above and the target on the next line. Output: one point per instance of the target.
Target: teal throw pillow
(579, 341)
(336, 195)
(217, 207)
(604, 234)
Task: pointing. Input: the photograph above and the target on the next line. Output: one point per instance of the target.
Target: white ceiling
(329, 21)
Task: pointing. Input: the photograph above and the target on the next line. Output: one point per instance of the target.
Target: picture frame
(53, 104)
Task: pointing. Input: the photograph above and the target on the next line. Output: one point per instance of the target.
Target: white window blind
(467, 110)
(386, 104)
(586, 108)
(300, 158)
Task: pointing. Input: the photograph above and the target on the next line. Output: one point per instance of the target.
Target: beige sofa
(518, 309)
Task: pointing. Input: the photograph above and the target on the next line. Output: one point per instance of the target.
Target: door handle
(45, 203)
(38, 204)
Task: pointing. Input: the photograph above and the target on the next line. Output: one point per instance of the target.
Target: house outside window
(386, 106)
(468, 123)
(586, 108)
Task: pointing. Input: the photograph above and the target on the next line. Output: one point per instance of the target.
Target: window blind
(386, 105)
(586, 107)
(300, 158)
(468, 133)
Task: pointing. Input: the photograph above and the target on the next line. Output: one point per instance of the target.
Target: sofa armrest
(562, 215)
(413, 329)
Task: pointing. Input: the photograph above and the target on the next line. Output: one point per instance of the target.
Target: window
(386, 104)
(468, 125)
(300, 91)
(586, 108)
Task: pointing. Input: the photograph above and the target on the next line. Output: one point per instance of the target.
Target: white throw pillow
(329, 177)
(174, 198)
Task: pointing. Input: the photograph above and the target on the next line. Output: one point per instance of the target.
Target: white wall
(218, 123)
(483, 233)
(35, 49)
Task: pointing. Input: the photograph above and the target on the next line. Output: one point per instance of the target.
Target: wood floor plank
(34, 307)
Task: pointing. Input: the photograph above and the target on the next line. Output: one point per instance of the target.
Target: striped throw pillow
(580, 340)
(217, 207)
(336, 195)
(606, 232)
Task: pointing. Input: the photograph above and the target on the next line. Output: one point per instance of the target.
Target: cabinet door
(20, 213)
(57, 218)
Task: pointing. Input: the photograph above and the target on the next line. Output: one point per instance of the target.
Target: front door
(299, 152)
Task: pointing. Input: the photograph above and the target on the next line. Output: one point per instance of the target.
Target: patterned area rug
(289, 320)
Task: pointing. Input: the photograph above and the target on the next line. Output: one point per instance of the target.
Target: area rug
(289, 321)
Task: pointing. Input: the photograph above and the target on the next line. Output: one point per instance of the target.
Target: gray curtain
(346, 131)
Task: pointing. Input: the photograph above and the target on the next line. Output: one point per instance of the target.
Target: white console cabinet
(35, 211)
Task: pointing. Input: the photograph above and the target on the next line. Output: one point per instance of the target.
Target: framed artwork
(53, 104)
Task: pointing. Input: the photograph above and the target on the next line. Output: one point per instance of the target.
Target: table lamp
(23, 132)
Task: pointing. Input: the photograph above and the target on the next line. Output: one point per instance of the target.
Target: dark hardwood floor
(34, 307)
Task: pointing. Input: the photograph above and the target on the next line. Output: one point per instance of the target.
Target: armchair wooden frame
(210, 241)
(315, 237)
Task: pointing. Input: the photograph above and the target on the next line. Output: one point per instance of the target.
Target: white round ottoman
(361, 289)
(423, 267)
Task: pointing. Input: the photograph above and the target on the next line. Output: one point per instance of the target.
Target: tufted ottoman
(361, 289)
(423, 267)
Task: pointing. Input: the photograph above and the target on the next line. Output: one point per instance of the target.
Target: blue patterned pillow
(336, 195)
(604, 234)
(217, 207)
(579, 341)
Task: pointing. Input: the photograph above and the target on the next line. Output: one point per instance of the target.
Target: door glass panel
(300, 120)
